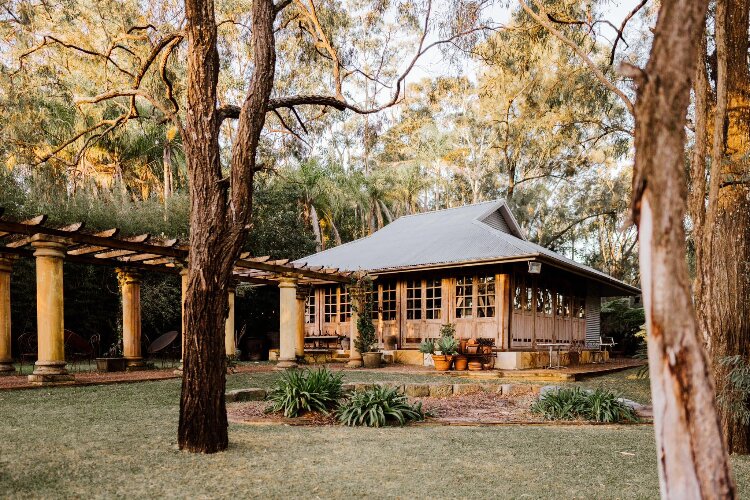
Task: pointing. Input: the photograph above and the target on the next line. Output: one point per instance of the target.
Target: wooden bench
(316, 340)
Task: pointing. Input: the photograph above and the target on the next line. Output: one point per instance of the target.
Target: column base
(285, 364)
(7, 368)
(135, 364)
(354, 363)
(50, 373)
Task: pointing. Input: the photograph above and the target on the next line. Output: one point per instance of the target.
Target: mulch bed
(476, 408)
(92, 378)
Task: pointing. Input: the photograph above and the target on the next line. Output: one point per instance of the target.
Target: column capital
(6, 262)
(288, 282)
(49, 246)
(128, 276)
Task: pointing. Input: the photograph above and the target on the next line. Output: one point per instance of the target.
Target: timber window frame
(433, 298)
(414, 297)
(465, 297)
(330, 304)
(310, 309)
(388, 301)
(345, 305)
(486, 295)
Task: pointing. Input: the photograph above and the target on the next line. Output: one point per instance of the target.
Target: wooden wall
(481, 302)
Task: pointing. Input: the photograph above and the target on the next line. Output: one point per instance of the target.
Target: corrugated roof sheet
(455, 235)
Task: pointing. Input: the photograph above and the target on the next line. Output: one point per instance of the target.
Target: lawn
(119, 441)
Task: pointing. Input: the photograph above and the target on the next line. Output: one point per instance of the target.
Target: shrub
(378, 407)
(448, 330)
(427, 346)
(447, 345)
(299, 391)
(569, 404)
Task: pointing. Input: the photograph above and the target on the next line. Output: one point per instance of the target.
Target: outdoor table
(551, 346)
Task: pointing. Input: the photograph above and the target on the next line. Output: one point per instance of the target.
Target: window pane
(548, 301)
(330, 305)
(464, 297)
(434, 300)
(310, 308)
(486, 297)
(389, 301)
(414, 299)
(345, 305)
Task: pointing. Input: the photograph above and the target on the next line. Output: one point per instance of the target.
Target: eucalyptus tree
(179, 59)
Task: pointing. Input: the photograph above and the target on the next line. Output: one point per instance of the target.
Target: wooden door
(388, 310)
(522, 315)
(344, 311)
(464, 307)
(313, 313)
(329, 323)
(435, 307)
(486, 310)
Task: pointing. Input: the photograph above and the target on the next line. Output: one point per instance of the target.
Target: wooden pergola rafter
(146, 253)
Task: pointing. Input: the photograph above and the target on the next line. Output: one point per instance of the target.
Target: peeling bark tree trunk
(723, 291)
(219, 218)
(693, 462)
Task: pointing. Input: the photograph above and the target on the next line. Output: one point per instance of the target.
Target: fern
(598, 406)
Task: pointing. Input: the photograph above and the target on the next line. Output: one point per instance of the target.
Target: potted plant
(367, 341)
(427, 347)
(460, 362)
(472, 346)
(112, 361)
(485, 345)
(446, 348)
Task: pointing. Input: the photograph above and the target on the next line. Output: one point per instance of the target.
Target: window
(566, 306)
(372, 296)
(389, 301)
(548, 302)
(434, 299)
(330, 303)
(581, 308)
(464, 297)
(310, 308)
(540, 300)
(414, 299)
(345, 305)
(560, 306)
(529, 304)
(486, 297)
(518, 294)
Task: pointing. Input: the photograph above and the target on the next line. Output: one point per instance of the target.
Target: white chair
(606, 342)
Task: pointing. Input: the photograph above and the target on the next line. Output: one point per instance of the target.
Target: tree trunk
(693, 462)
(724, 260)
(219, 220)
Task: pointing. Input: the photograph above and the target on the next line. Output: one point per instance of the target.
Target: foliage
(734, 395)
(367, 340)
(448, 330)
(300, 391)
(427, 346)
(378, 407)
(598, 405)
(623, 322)
(447, 345)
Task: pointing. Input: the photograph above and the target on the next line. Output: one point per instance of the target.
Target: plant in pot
(366, 342)
(427, 347)
(112, 361)
(472, 346)
(446, 348)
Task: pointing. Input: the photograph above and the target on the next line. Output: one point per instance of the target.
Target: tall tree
(693, 461)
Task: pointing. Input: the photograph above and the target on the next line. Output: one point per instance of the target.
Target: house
(471, 266)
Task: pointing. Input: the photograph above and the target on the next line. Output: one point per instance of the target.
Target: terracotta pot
(475, 366)
(490, 365)
(462, 346)
(442, 362)
(371, 359)
(486, 349)
(472, 349)
(460, 363)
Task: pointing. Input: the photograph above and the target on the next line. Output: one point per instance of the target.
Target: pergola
(131, 256)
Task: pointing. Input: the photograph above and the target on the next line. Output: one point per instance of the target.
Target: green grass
(119, 441)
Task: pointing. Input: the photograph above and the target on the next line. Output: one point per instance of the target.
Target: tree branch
(575, 48)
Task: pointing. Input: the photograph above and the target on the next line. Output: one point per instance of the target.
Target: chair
(27, 348)
(77, 349)
(165, 344)
(606, 342)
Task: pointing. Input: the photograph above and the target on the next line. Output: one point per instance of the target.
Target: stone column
(355, 358)
(287, 322)
(229, 346)
(299, 344)
(130, 286)
(183, 333)
(6, 359)
(50, 364)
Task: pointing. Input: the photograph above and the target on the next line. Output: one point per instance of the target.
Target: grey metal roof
(468, 234)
